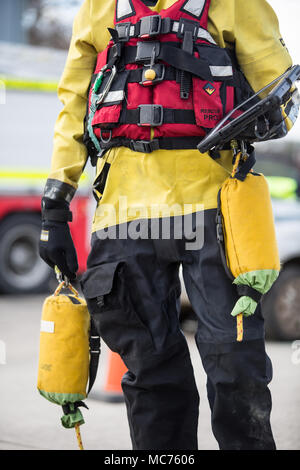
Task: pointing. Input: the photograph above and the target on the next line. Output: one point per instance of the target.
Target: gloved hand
(56, 246)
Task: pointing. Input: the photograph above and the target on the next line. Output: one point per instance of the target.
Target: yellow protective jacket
(183, 179)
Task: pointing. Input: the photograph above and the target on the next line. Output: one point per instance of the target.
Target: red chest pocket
(208, 105)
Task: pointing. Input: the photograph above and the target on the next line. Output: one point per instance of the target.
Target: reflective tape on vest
(202, 33)
(194, 7)
(124, 9)
(221, 70)
(113, 96)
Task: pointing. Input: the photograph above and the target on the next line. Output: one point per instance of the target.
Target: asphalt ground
(30, 422)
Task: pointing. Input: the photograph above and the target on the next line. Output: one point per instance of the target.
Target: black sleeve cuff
(59, 191)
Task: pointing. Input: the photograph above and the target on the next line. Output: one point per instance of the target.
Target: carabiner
(60, 277)
(258, 134)
(102, 96)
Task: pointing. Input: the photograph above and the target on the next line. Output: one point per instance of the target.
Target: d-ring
(103, 140)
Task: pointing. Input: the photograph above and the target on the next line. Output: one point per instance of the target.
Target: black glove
(56, 246)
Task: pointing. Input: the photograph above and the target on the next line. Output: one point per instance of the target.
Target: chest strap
(148, 146)
(153, 115)
(145, 51)
(154, 25)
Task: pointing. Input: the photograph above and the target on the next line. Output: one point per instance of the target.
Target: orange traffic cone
(112, 391)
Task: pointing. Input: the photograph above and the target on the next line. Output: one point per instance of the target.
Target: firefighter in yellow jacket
(162, 74)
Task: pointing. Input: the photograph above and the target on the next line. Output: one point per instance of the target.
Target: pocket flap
(99, 280)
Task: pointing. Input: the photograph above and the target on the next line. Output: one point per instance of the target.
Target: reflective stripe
(195, 7)
(202, 33)
(124, 8)
(112, 96)
(221, 70)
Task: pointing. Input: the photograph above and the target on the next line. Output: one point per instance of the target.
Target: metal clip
(258, 134)
(113, 72)
(60, 278)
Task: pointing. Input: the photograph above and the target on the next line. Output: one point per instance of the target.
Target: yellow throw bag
(249, 238)
(63, 370)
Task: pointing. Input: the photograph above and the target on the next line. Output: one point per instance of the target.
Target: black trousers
(132, 288)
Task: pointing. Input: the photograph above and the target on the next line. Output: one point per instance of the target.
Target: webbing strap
(154, 25)
(162, 116)
(135, 76)
(249, 292)
(163, 143)
(94, 354)
(172, 55)
(245, 167)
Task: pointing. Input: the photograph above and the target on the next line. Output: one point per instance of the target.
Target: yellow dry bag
(64, 359)
(246, 234)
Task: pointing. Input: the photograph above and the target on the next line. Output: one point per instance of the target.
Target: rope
(239, 327)
(239, 318)
(236, 164)
(78, 435)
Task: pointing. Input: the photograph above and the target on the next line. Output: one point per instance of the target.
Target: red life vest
(162, 82)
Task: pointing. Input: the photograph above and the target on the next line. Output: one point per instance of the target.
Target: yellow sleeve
(252, 28)
(69, 153)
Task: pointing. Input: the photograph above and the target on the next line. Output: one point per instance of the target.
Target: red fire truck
(21, 269)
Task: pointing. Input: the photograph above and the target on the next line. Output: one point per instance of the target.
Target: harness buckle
(144, 146)
(159, 75)
(146, 51)
(151, 115)
(123, 30)
(150, 26)
(187, 25)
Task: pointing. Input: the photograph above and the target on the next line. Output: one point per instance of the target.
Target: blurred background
(34, 38)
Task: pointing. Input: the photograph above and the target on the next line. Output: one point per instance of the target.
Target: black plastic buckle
(160, 75)
(123, 30)
(144, 146)
(187, 25)
(150, 26)
(151, 115)
(147, 51)
(95, 344)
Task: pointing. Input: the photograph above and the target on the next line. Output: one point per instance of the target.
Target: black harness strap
(245, 167)
(145, 146)
(249, 292)
(155, 115)
(94, 354)
(172, 55)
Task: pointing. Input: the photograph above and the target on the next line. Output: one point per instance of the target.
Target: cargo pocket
(208, 105)
(109, 302)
